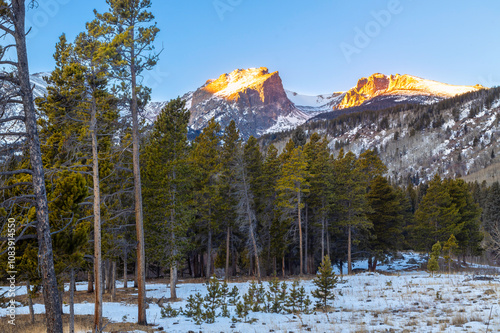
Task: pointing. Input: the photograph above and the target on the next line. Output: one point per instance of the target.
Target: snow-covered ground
(404, 301)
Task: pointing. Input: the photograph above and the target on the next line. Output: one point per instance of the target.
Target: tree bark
(349, 263)
(209, 253)
(228, 239)
(45, 257)
(30, 302)
(305, 241)
(173, 281)
(283, 266)
(125, 283)
(113, 281)
(141, 262)
(301, 266)
(90, 282)
(322, 238)
(97, 221)
(72, 301)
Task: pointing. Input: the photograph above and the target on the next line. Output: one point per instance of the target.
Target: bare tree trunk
(135, 276)
(274, 267)
(113, 281)
(283, 266)
(300, 237)
(90, 282)
(173, 281)
(97, 222)
(30, 302)
(125, 283)
(305, 242)
(45, 257)
(257, 263)
(141, 262)
(228, 239)
(349, 262)
(322, 238)
(327, 240)
(209, 253)
(72, 301)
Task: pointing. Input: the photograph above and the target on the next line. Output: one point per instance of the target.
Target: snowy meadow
(395, 300)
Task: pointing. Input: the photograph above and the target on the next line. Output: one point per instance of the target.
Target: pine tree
(320, 177)
(274, 234)
(246, 205)
(206, 160)
(291, 187)
(433, 264)
(370, 164)
(227, 212)
(350, 198)
(77, 98)
(325, 282)
(469, 235)
(134, 37)
(437, 217)
(449, 247)
(386, 218)
(167, 187)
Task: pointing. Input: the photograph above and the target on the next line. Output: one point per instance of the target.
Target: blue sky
(318, 46)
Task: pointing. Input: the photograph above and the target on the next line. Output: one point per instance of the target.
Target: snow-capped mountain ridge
(257, 101)
(378, 84)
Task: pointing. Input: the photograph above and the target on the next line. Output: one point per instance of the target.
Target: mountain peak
(382, 85)
(231, 86)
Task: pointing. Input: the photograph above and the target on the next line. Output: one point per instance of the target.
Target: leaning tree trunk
(53, 313)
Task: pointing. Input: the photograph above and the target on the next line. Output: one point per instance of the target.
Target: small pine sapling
(273, 296)
(448, 248)
(212, 300)
(224, 290)
(193, 308)
(433, 264)
(233, 296)
(325, 282)
(292, 300)
(169, 312)
(303, 300)
(243, 308)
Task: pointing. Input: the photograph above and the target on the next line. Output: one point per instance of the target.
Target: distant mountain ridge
(257, 101)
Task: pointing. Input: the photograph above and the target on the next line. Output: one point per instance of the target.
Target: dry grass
(122, 295)
(459, 320)
(83, 323)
